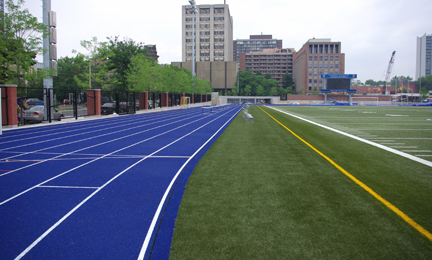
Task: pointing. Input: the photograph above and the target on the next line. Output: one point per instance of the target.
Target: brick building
(255, 43)
(275, 62)
(316, 57)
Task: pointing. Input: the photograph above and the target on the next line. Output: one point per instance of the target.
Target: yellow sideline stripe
(361, 184)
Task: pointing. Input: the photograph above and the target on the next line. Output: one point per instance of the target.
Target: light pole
(193, 10)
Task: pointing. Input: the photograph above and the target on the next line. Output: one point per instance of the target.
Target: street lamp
(193, 10)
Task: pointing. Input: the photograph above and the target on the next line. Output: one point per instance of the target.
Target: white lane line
(103, 186)
(411, 147)
(162, 202)
(90, 125)
(401, 153)
(394, 143)
(67, 187)
(79, 166)
(82, 149)
(87, 133)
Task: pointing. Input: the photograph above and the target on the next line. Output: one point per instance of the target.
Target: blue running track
(100, 189)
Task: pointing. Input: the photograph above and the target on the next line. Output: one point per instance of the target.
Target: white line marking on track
(401, 153)
(403, 147)
(162, 202)
(105, 184)
(116, 139)
(68, 187)
(79, 166)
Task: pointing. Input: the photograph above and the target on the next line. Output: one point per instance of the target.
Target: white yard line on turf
(103, 186)
(408, 156)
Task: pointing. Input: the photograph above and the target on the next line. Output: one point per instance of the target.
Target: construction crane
(389, 70)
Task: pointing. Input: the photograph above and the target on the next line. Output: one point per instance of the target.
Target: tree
(426, 82)
(119, 55)
(98, 75)
(273, 91)
(288, 83)
(20, 42)
(247, 90)
(260, 91)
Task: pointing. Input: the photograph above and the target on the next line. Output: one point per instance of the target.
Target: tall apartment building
(316, 57)
(423, 56)
(255, 43)
(213, 33)
(276, 62)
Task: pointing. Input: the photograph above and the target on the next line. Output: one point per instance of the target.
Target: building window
(326, 58)
(310, 81)
(331, 66)
(310, 48)
(316, 58)
(310, 57)
(321, 58)
(315, 81)
(336, 66)
(336, 57)
(204, 10)
(331, 58)
(315, 65)
(326, 66)
(218, 11)
(315, 73)
(204, 19)
(320, 66)
(310, 73)
(310, 65)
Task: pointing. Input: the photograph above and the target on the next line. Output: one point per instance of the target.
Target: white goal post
(363, 101)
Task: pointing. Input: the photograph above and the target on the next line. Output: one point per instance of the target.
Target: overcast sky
(369, 30)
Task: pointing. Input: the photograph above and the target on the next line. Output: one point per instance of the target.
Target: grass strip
(260, 192)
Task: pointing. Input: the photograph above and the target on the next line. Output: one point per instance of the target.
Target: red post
(164, 99)
(146, 100)
(193, 98)
(9, 105)
(143, 100)
(93, 102)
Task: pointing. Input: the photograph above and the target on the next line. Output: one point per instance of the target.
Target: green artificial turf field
(262, 193)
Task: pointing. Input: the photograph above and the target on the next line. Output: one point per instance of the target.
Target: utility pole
(49, 57)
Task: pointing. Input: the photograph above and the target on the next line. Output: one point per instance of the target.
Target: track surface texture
(99, 189)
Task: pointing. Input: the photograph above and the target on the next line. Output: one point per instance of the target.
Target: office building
(151, 51)
(213, 33)
(255, 43)
(276, 62)
(423, 56)
(316, 57)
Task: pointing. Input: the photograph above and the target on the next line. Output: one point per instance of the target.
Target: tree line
(250, 84)
(117, 65)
